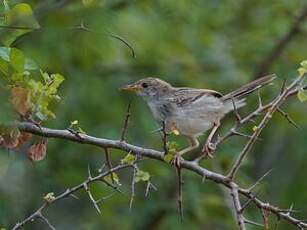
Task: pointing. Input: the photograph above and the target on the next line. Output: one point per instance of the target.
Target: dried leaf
(23, 138)
(21, 100)
(8, 141)
(37, 151)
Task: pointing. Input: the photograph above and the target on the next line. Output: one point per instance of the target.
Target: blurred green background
(206, 44)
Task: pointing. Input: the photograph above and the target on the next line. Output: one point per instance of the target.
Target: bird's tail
(249, 87)
(237, 97)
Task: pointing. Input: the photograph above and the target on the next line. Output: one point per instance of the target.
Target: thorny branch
(224, 180)
(68, 193)
(126, 122)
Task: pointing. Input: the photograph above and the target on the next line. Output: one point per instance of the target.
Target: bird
(191, 112)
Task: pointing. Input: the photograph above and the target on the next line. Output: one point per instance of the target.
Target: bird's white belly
(193, 127)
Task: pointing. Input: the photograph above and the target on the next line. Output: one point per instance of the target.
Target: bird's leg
(209, 146)
(193, 145)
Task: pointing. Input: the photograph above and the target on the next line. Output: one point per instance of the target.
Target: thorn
(259, 180)
(89, 171)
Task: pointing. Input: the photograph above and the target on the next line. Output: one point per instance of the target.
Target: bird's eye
(144, 85)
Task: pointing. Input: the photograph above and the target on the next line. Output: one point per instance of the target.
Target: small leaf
(172, 147)
(115, 178)
(23, 138)
(129, 159)
(49, 197)
(21, 100)
(168, 157)
(81, 130)
(37, 151)
(21, 15)
(304, 64)
(301, 71)
(9, 142)
(301, 95)
(176, 132)
(5, 53)
(141, 176)
(30, 64)
(75, 122)
(255, 128)
(17, 59)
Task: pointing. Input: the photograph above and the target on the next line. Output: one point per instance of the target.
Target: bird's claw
(209, 149)
(176, 161)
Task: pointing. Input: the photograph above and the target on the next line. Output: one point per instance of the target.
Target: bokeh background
(207, 44)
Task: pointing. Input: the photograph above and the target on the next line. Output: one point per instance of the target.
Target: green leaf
(301, 95)
(17, 59)
(110, 180)
(129, 159)
(141, 176)
(304, 64)
(30, 64)
(56, 81)
(168, 157)
(75, 122)
(20, 15)
(301, 71)
(5, 53)
(4, 67)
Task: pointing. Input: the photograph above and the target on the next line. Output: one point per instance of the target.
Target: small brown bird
(191, 112)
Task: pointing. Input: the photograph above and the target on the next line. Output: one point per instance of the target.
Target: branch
(273, 107)
(237, 206)
(192, 166)
(149, 153)
(69, 192)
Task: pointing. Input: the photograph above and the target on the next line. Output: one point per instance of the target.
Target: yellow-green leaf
(129, 159)
(49, 197)
(304, 64)
(110, 178)
(301, 95)
(168, 157)
(17, 59)
(141, 176)
(301, 71)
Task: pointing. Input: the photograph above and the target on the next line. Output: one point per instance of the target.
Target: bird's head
(148, 87)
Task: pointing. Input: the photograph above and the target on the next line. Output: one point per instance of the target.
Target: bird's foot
(176, 161)
(209, 149)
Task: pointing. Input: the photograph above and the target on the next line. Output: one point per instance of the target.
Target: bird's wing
(186, 96)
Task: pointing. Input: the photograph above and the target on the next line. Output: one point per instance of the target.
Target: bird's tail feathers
(249, 87)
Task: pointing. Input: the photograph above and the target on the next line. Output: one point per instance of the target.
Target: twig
(179, 196)
(109, 162)
(66, 194)
(287, 116)
(237, 206)
(132, 187)
(148, 186)
(259, 180)
(46, 221)
(275, 104)
(125, 126)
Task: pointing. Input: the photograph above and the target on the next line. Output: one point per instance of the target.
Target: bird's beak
(131, 88)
